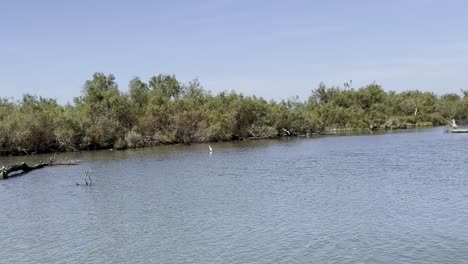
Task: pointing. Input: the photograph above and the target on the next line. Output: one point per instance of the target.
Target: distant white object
(454, 124)
(211, 150)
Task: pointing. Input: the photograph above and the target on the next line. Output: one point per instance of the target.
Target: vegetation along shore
(165, 111)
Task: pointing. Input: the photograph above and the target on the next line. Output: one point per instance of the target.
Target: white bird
(211, 150)
(454, 124)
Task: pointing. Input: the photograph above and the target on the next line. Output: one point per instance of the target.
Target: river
(387, 198)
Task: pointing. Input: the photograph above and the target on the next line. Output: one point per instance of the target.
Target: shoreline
(330, 132)
(166, 111)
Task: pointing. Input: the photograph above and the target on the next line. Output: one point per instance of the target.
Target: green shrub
(133, 139)
(120, 144)
(165, 111)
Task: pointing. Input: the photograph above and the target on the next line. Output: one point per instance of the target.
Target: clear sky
(273, 49)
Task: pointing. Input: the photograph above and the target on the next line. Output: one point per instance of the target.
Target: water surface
(390, 198)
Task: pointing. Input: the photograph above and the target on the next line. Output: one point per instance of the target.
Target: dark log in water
(19, 169)
(23, 167)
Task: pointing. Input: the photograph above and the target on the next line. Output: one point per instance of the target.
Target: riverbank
(165, 111)
(146, 142)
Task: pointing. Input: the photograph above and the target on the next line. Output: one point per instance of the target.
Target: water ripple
(392, 198)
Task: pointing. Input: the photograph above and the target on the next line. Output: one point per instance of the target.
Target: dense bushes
(165, 111)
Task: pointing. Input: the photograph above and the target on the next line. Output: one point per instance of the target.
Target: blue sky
(273, 49)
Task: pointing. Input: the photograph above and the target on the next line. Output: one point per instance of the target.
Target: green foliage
(120, 144)
(165, 111)
(133, 139)
(139, 95)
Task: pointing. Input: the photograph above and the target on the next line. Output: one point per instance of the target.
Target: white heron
(211, 149)
(454, 124)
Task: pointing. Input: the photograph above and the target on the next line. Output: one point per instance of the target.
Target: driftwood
(372, 127)
(23, 167)
(15, 170)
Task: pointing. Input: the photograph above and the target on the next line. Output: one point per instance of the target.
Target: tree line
(166, 111)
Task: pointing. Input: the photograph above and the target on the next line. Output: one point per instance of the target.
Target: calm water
(391, 198)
